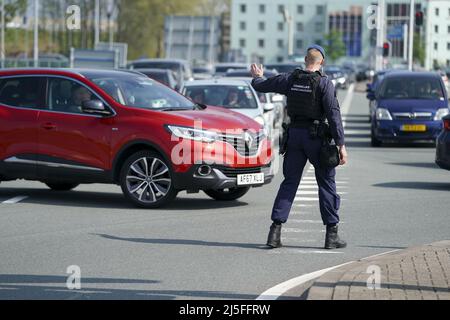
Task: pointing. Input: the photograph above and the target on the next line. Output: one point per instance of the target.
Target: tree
(419, 49)
(141, 24)
(334, 46)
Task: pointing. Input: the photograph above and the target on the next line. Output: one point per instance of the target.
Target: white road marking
(307, 193)
(307, 199)
(277, 291)
(15, 200)
(296, 230)
(306, 221)
(300, 251)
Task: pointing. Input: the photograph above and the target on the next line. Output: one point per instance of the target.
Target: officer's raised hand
(257, 71)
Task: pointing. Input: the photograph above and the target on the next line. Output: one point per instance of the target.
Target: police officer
(311, 98)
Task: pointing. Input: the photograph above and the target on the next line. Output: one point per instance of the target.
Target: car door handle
(49, 126)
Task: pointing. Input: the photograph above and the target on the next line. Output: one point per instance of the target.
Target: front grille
(423, 116)
(246, 148)
(234, 172)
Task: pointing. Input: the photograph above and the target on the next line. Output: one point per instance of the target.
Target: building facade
(259, 28)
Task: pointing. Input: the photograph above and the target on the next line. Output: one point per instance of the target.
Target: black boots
(332, 240)
(274, 240)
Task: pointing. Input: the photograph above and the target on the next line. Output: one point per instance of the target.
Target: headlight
(341, 80)
(193, 134)
(383, 114)
(260, 120)
(441, 113)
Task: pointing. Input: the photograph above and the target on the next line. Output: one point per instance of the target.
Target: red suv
(68, 127)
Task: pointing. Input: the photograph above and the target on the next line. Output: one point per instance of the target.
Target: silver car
(237, 95)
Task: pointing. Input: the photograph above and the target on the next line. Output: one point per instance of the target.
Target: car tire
(62, 186)
(138, 183)
(230, 195)
(375, 142)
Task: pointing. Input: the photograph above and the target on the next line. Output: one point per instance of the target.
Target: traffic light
(386, 49)
(419, 18)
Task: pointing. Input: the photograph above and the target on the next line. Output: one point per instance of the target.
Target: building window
(261, 43)
(320, 10)
(448, 63)
(262, 26)
(243, 8)
(437, 12)
(436, 46)
(280, 43)
(281, 8)
(448, 29)
(436, 29)
(243, 25)
(280, 59)
(262, 8)
(300, 27)
(299, 44)
(242, 43)
(300, 9)
(319, 27)
(448, 45)
(280, 26)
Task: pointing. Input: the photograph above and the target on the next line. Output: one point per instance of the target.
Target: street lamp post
(97, 22)
(3, 35)
(411, 37)
(36, 33)
(289, 20)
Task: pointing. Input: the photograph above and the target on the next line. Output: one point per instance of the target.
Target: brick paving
(421, 273)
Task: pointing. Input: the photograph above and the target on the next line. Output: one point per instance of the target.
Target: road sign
(395, 32)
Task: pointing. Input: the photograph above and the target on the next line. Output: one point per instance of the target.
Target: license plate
(250, 179)
(414, 128)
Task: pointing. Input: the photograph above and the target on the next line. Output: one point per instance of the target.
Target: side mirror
(277, 98)
(269, 107)
(95, 107)
(371, 96)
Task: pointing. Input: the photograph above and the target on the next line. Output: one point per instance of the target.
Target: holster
(329, 153)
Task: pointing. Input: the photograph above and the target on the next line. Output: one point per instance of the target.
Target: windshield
(412, 88)
(140, 92)
(160, 77)
(232, 97)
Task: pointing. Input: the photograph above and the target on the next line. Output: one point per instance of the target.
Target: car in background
(443, 145)
(350, 74)
(337, 76)
(202, 73)
(247, 74)
(269, 100)
(409, 107)
(372, 89)
(164, 76)
(233, 94)
(445, 79)
(181, 68)
(286, 67)
(221, 69)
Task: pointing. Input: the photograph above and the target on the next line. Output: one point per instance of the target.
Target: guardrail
(29, 63)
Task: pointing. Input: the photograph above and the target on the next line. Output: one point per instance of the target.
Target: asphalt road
(394, 197)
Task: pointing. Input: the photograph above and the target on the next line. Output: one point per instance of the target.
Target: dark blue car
(409, 106)
(443, 146)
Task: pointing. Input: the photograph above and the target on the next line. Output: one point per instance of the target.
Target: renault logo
(249, 139)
